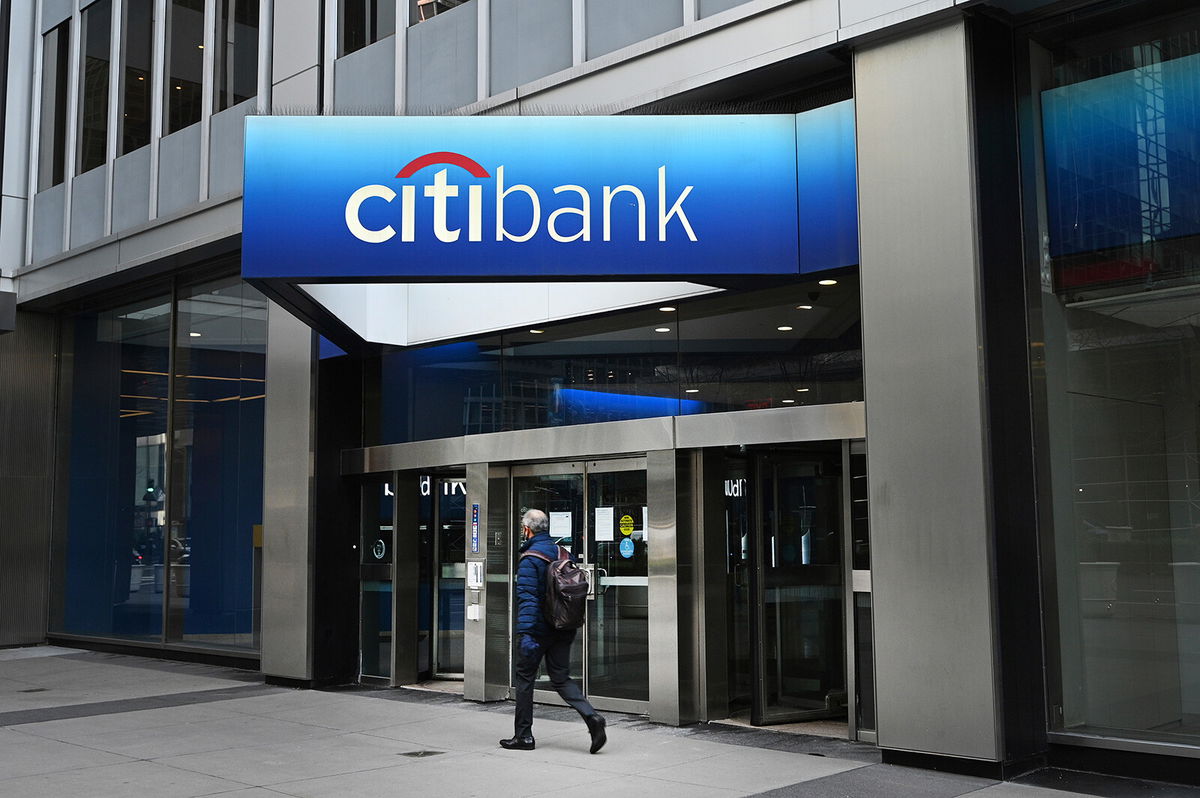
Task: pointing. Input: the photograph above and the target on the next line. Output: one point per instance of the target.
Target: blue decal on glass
(626, 547)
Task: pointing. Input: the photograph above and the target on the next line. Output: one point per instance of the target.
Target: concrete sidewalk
(91, 724)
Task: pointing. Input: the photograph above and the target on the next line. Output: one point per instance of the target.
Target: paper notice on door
(560, 525)
(645, 524)
(604, 523)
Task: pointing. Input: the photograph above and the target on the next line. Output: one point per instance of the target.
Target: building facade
(913, 449)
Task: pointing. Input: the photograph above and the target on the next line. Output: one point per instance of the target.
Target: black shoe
(596, 724)
(518, 744)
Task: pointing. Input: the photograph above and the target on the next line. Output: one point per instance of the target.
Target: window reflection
(216, 463)
(113, 577)
(237, 52)
(52, 150)
(136, 78)
(365, 22)
(93, 108)
(185, 57)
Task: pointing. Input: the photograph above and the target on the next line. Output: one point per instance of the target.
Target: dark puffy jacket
(531, 586)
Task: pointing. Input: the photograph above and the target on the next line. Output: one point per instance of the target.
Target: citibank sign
(571, 222)
(511, 197)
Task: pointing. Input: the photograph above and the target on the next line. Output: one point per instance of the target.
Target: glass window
(1120, 312)
(52, 146)
(786, 346)
(217, 463)
(237, 52)
(161, 533)
(93, 99)
(365, 22)
(137, 47)
(185, 63)
(116, 386)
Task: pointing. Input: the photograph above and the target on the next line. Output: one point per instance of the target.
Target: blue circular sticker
(626, 547)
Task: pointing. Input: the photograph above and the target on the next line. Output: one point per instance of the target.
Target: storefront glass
(159, 530)
(784, 346)
(1120, 313)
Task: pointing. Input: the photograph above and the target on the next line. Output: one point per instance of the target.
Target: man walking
(537, 639)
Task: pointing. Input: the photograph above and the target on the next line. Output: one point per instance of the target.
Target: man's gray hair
(536, 520)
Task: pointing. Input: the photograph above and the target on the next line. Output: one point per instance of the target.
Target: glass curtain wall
(1120, 314)
(365, 22)
(93, 89)
(159, 533)
(786, 346)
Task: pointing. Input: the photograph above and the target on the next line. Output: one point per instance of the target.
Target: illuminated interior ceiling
(412, 314)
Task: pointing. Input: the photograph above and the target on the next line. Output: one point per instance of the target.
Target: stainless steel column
(487, 625)
(714, 602)
(926, 420)
(287, 580)
(671, 594)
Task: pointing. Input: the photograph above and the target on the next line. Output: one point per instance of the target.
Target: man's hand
(527, 645)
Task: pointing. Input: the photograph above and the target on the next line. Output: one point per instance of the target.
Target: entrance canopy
(382, 229)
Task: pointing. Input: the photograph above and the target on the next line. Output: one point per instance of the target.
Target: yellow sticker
(626, 524)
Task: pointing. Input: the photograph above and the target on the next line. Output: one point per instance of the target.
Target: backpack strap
(538, 554)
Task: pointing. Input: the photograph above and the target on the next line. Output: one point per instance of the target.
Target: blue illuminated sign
(404, 197)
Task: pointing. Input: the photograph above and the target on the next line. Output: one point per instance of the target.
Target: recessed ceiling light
(804, 307)
(200, 46)
(826, 282)
(179, 88)
(666, 308)
(691, 390)
(141, 77)
(194, 334)
(537, 332)
(801, 390)
(784, 328)
(789, 401)
(662, 329)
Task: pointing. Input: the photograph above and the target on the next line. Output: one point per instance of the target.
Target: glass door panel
(799, 587)
(558, 491)
(618, 617)
(375, 580)
(451, 495)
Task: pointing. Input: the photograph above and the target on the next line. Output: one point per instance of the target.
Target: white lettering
(501, 193)
(475, 213)
(609, 193)
(439, 192)
(584, 212)
(676, 209)
(355, 225)
(408, 211)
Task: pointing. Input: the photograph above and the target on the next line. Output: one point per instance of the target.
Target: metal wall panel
(707, 8)
(131, 190)
(49, 209)
(613, 24)
(443, 61)
(365, 81)
(664, 593)
(296, 45)
(773, 425)
(179, 170)
(54, 12)
(476, 620)
(856, 11)
(298, 94)
(287, 571)
(26, 476)
(530, 39)
(87, 206)
(225, 146)
(12, 231)
(930, 536)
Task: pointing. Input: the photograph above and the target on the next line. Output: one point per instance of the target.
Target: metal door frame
(436, 480)
(584, 467)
